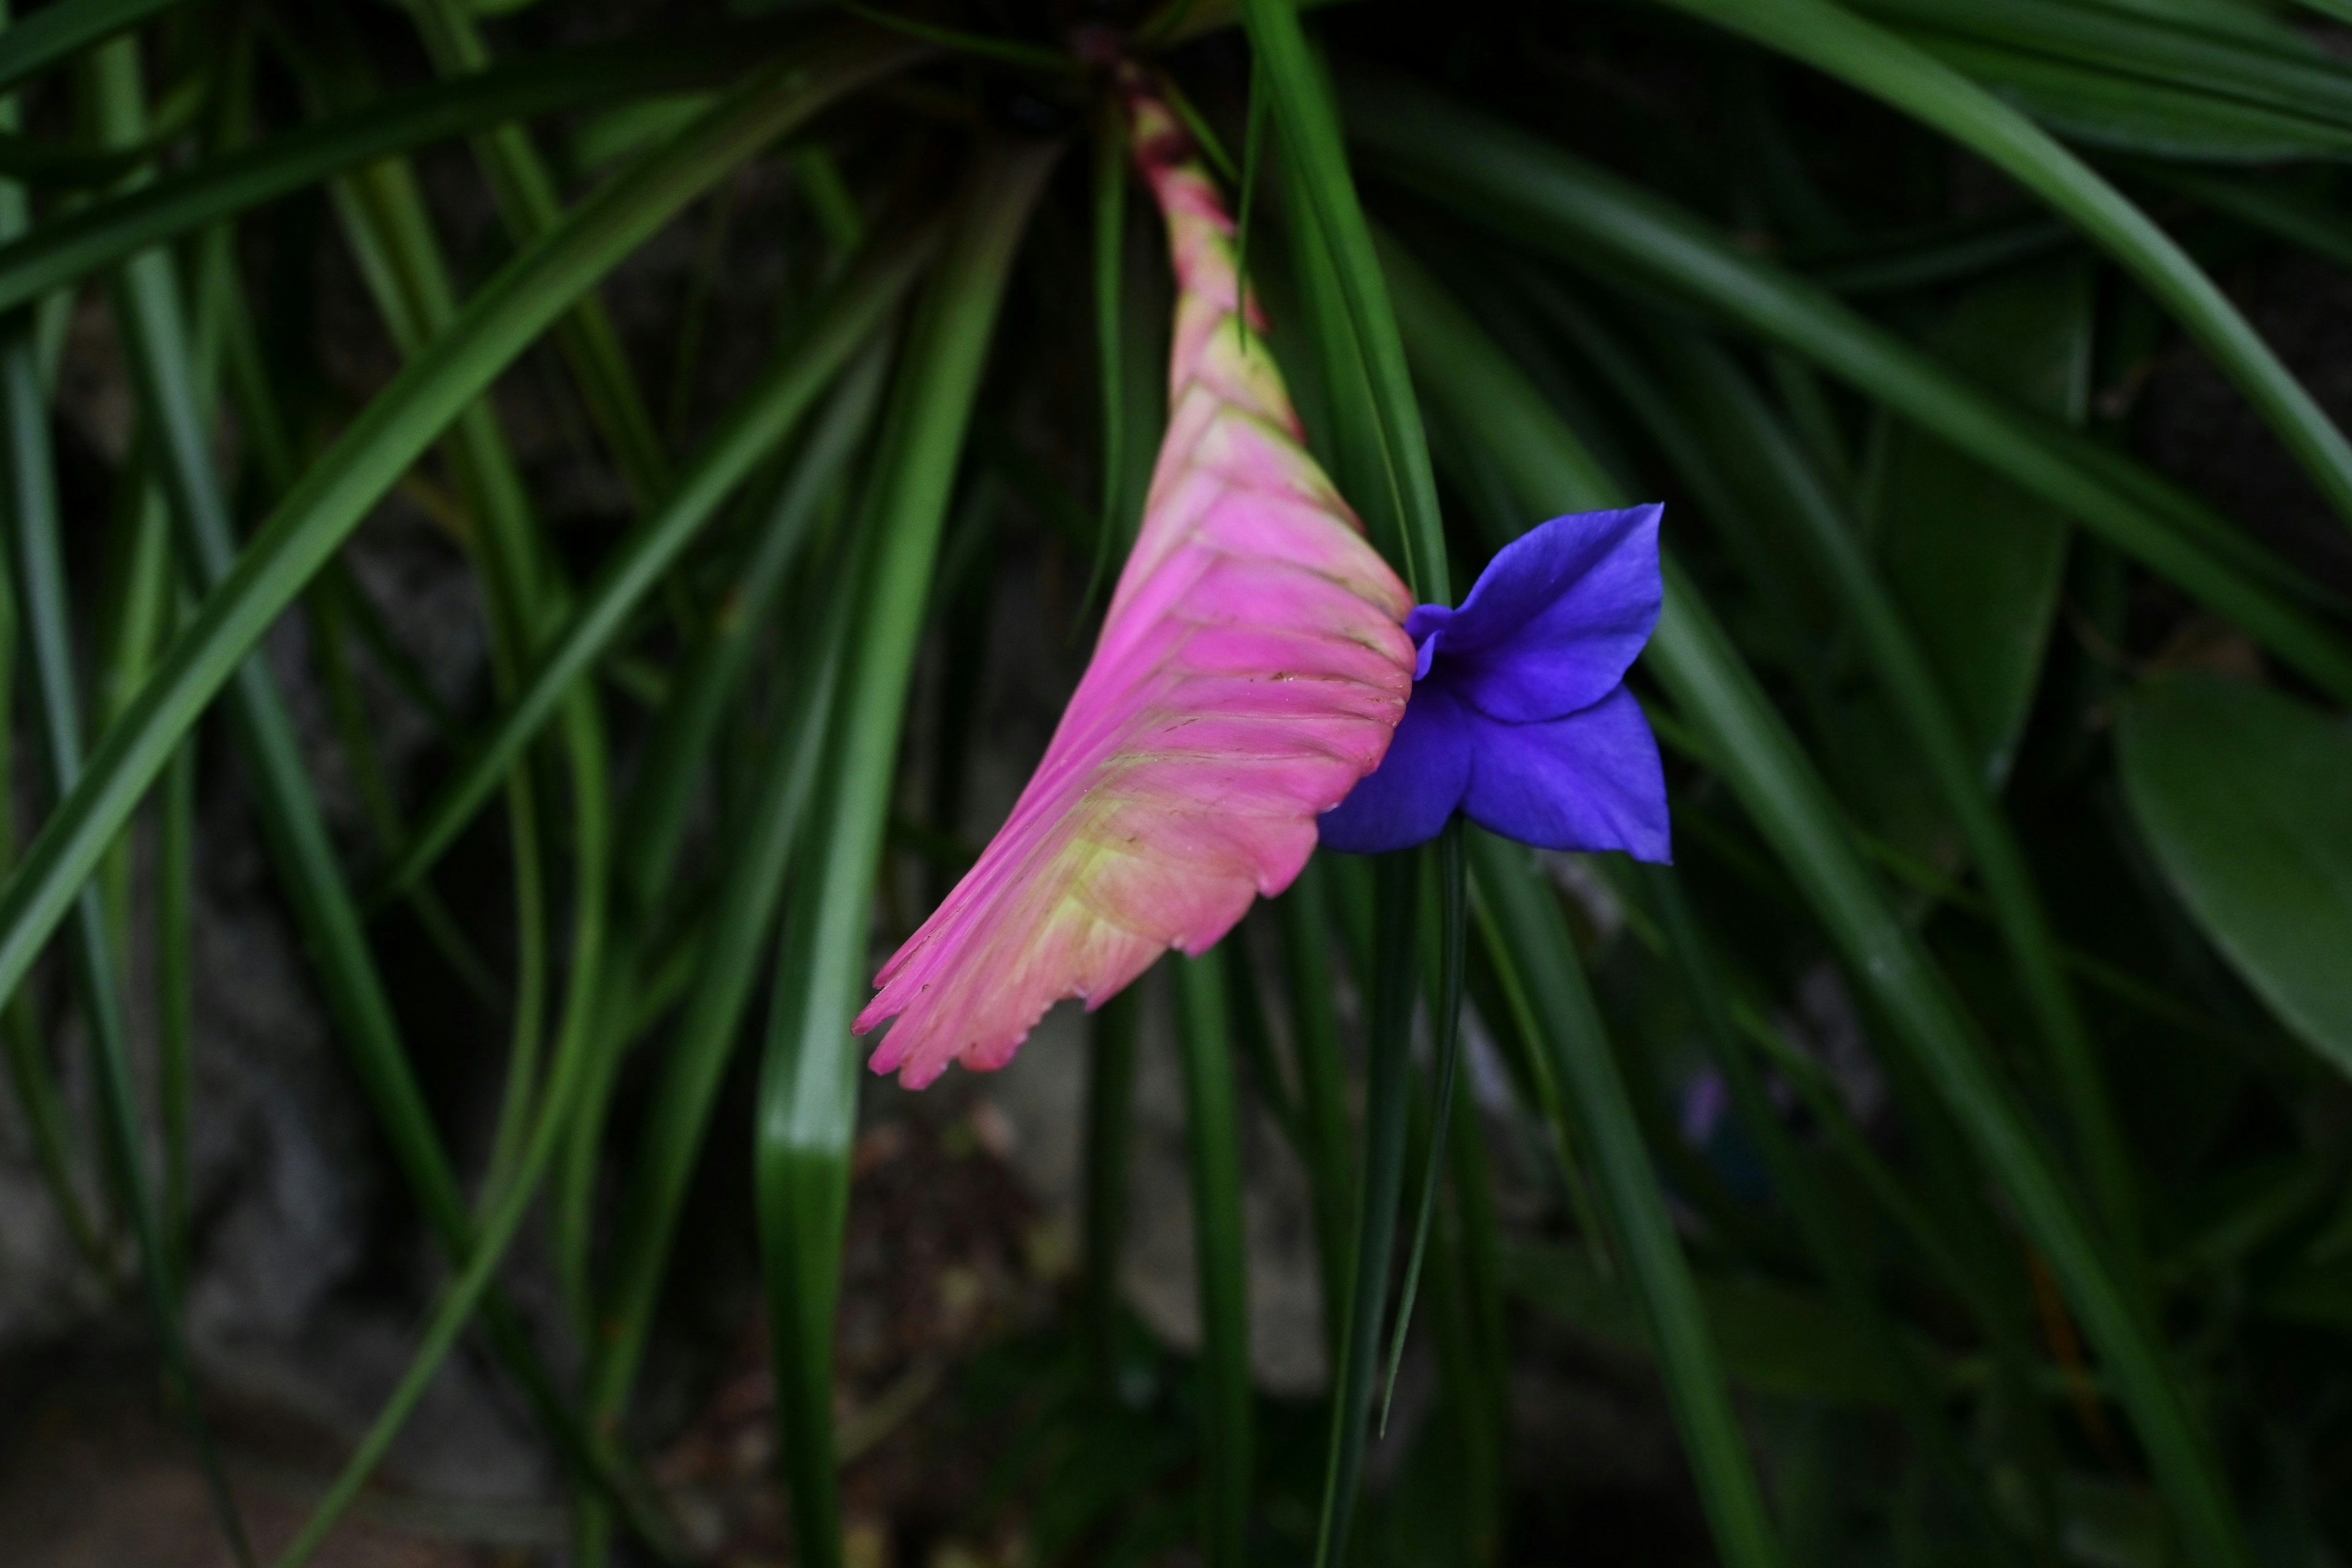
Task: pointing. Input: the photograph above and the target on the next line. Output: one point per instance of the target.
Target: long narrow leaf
(60, 31)
(1529, 937)
(313, 520)
(527, 201)
(839, 325)
(1569, 208)
(512, 1204)
(293, 825)
(1779, 787)
(1900, 665)
(1221, 1255)
(75, 243)
(741, 924)
(659, 805)
(1318, 159)
(808, 1092)
(1380, 1188)
(1879, 63)
(32, 518)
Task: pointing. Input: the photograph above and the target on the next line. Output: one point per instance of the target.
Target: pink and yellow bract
(1251, 669)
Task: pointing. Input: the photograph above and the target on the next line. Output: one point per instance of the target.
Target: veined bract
(1251, 669)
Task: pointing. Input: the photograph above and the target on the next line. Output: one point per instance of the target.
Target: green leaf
(1976, 563)
(661, 801)
(808, 1088)
(2214, 81)
(1293, 82)
(1306, 924)
(1546, 198)
(2129, 114)
(839, 325)
(508, 1205)
(1774, 1339)
(2232, 52)
(1534, 953)
(314, 519)
(1914, 700)
(1446, 996)
(1212, 1133)
(1777, 785)
(1888, 1357)
(292, 826)
(1388, 1067)
(1883, 65)
(1109, 1159)
(2242, 793)
(676, 1120)
(527, 201)
(1111, 327)
(75, 243)
(60, 31)
(32, 517)
(1933, 254)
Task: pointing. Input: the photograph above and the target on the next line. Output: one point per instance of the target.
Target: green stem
(1388, 1069)
(808, 1092)
(1221, 1255)
(1109, 1159)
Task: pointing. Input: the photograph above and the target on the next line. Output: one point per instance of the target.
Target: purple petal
(1408, 797)
(1556, 619)
(1421, 625)
(1591, 781)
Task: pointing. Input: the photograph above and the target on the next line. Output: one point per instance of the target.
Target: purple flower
(1519, 715)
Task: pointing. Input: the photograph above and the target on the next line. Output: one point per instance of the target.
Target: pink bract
(1251, 669)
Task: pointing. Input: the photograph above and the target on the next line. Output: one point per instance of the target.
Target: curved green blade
(314, 519)
(1884, 66)
(2245, 795)
(75, 243)
(1776, 783)
(808, 1090)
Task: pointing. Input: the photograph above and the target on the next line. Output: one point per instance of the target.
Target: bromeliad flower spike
(1251, 669)
(1521, 718)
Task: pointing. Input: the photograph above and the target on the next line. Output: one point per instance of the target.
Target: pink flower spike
(1251, 669)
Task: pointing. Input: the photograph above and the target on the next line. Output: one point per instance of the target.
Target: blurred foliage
(1958, 1126)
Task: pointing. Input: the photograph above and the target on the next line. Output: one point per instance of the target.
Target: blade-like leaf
(1220, 1253)
(1783, 794)
(75, 243)
(1307, 931)
(2242, 793)
(808, 1091)
(1918, 701)
(313, 519)
(1111, 327)
(659, 808)
(510, 1205)
(1380, 1188)
(1560, 205)
(33, 516)
(1879, 63)
(698, 1049)
(60, 31)
(839, 325)
(527, 201)
(1293, 81)
(293, 828)
(1528, 941)
(1975, 564)
(1446, 994)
